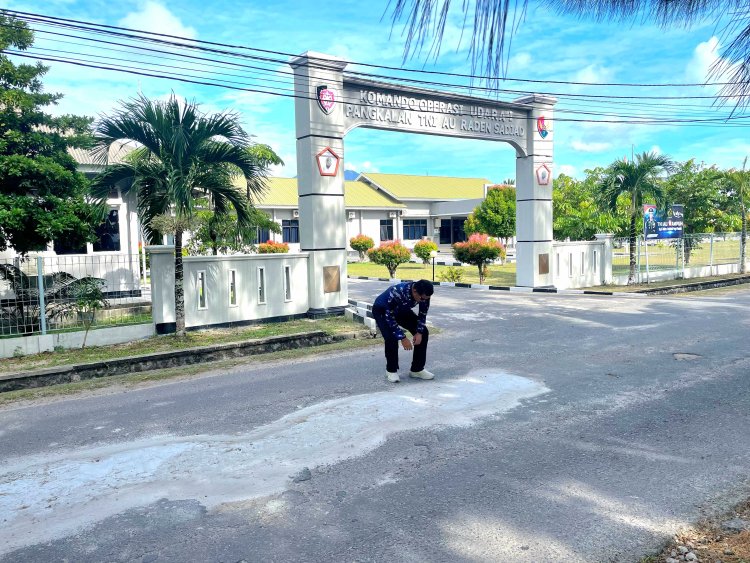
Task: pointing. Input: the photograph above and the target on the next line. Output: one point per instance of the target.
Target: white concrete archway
(329, 104)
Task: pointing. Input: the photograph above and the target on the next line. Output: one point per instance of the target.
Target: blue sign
(657, 224)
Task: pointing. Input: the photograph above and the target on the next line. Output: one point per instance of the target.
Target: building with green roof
(385, 207)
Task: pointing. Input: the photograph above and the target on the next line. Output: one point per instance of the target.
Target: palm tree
(739, 183)
(636, 178)
(495, 21)
(181, 152)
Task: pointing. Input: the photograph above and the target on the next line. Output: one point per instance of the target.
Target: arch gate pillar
(329, 104)
(534, 196)
(318, 82)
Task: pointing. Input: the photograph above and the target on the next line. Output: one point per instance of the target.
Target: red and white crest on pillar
(326, 98)
(328, 162)
(543, 175)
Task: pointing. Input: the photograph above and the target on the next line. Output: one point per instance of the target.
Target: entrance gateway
(329, 104)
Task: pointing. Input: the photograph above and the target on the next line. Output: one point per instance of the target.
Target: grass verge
(155, 344)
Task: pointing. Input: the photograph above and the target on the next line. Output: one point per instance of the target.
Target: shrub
(361, 243)
(451, 274)
(423, 248)
(479, 250)
(271, 247)
(390, 254)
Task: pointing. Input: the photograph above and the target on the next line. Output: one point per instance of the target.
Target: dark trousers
(407, 320)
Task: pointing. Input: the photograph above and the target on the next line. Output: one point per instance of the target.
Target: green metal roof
(436, 188)
(282, 192)
(359, 194)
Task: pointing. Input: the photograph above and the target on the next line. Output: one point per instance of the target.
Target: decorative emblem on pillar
(541, 127)
(326, 98)
(542, 175)
(328, 162)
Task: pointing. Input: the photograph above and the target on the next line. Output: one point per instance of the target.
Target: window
(261, 285)
(570, 264)
(596, 256)
(386, 229)
(232, 288)
(108, 233)
(557, 264)
(290, 230)
(415, 229)
(583, 262)
(287, 283)
(62, 247)
(201, 285)
(262, 235)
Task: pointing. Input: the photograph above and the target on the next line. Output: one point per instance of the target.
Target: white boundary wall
(265, 286)
(582, 263)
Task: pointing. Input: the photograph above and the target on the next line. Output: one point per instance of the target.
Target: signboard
(660, 225)
(421, 111)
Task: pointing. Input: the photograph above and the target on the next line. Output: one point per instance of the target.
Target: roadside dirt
(713, 540)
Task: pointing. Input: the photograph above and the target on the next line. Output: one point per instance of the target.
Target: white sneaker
(392, 376)
(424, 374)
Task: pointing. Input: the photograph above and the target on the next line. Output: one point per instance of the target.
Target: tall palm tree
(181, 152)
(636, 178)
(739, 183)
(495, 21)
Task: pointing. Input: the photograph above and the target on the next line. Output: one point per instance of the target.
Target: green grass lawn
(504, 275)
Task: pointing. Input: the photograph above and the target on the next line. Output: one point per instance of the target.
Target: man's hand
(418, 339)
(406, 343)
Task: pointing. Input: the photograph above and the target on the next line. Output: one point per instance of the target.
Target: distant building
(385, 207)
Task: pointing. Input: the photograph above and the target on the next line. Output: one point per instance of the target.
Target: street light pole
(433, 253)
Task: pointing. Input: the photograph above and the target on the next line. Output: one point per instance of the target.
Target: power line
(30, 16)
(636, 121)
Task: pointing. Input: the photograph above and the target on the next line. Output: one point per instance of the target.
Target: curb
(515, 289)
(172, 358)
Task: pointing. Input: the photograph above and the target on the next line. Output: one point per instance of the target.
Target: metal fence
(44, 294)
(676, 255)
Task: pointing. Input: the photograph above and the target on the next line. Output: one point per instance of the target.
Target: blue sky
(547, 47)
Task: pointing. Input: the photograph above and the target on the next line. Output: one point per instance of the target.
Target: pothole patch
(686, 356)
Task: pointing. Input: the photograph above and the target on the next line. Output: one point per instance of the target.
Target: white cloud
(567, 169)
(655, 149)
(704, 56)
(156, 18)
(590, 147)
(365, 166)
(594, 73)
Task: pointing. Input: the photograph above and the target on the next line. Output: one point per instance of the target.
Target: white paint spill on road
(47, 496)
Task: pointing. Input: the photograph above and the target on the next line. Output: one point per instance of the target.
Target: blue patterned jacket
(398, 299)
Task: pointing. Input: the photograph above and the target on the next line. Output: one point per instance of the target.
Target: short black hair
(424, 287)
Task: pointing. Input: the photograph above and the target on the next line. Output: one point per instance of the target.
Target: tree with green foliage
(215, 234)
(182, 152)
(390, 254)
(42, 196)
(496, 215)
(635, 179)
(424, 249)
(737, 183)
(480, 250)
(575, 209)
(699, 189)
(361, 243)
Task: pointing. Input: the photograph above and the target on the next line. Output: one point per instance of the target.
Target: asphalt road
(559, 428)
